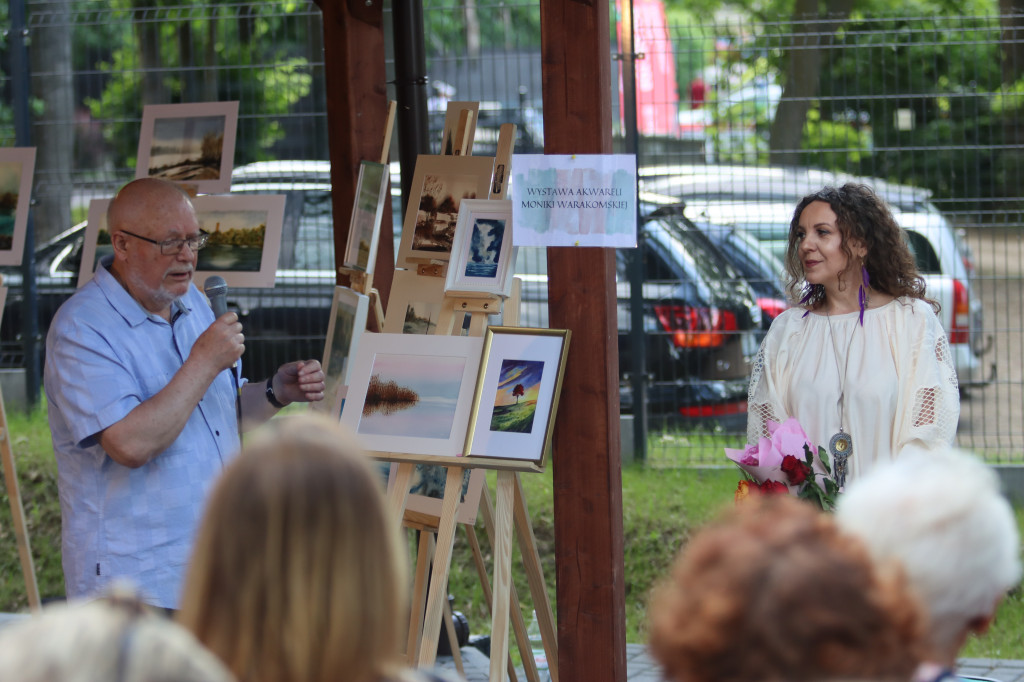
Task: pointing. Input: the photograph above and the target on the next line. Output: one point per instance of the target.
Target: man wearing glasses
(143, 406)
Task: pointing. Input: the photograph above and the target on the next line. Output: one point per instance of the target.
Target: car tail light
(696, 327)
(771, 307)
(960, 330)
(720, 410)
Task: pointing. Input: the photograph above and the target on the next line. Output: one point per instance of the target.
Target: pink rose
(787, 438)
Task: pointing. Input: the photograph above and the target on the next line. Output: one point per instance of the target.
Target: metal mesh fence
(924, 108)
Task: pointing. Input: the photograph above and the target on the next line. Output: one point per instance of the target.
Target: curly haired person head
(774, 591)
(871, 238)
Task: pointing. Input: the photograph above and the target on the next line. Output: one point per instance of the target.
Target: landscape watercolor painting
(187, 148)
(17, 169)
(10, 190)
(409, 397)
(190, 143)
(438, 210)
(236, 240)
(515, 402)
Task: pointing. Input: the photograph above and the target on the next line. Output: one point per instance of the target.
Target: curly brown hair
(775, 591)
(860, 216)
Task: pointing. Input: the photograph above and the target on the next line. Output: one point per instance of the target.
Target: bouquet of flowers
(786, 462)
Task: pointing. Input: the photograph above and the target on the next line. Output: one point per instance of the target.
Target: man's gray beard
(161, 296)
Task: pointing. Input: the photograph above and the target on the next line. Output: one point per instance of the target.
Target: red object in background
(657, 96)
(697, 92)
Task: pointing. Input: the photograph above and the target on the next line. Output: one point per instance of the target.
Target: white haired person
(940, 514)
(112, 639)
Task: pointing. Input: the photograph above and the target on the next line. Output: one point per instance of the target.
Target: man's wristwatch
(271, 398)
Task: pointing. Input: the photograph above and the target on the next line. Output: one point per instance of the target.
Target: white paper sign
(574, 200)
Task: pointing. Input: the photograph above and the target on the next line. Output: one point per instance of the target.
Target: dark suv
(702, 323)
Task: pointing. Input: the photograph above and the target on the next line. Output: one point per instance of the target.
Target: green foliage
(268, 79)
(510, 26)
(836, 146)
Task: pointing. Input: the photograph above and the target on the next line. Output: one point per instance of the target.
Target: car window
(924, 255)
(692, 249)
(314, 237)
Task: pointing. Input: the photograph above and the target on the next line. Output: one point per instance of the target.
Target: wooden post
(357, 113)
(576, 61)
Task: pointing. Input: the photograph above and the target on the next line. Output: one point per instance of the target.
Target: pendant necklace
(840, 446)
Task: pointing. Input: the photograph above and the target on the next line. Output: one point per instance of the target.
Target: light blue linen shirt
(105, 354)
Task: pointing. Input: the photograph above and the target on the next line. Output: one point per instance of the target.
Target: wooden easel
(359, 281)
(510, 512)
(17, 509)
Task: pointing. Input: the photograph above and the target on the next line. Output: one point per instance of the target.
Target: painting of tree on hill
(515, 402)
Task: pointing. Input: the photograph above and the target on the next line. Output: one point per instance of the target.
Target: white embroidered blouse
(900, 385)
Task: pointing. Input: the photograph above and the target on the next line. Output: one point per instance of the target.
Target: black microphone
(216, 290)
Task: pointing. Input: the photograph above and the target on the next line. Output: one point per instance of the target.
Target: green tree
(173, 54)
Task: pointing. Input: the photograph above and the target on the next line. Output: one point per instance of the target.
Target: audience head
(774, 591)
(108, 640)
(941, 516)
(297, 573)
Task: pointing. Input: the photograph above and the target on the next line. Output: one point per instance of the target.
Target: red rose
(773, 488)
(795, 470)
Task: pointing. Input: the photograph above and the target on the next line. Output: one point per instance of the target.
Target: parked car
(702, 325)
(761, 201)
(762, 270)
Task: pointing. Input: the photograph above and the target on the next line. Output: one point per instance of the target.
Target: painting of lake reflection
(236, 240)
(412, 395)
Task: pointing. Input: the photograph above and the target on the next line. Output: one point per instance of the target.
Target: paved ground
(640, 667)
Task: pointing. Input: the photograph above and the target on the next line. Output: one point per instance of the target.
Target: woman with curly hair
(773, 591)
(861, 360)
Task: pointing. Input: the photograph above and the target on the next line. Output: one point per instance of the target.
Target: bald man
(143, 405)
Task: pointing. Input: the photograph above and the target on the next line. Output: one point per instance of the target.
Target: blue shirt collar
(126, 306)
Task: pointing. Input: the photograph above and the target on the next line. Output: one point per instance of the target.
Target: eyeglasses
(172, 247)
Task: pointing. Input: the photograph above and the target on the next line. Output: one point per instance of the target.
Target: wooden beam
(576, 62)
(357, 109)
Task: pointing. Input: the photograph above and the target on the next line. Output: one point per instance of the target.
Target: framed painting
(372, 190)
(191, 144)
(245, 238)
(17, 166)
(426, 491)
(483, 258)
(439, 185)
(517, 396)
(414, 305)
(410, 395)
(3, 301)
(348, 322)
(96, 240)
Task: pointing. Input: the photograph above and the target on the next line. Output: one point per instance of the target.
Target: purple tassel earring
(807, 297)
(862, 293)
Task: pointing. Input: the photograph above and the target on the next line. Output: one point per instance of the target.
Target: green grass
(515, 418)
(661, 508)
